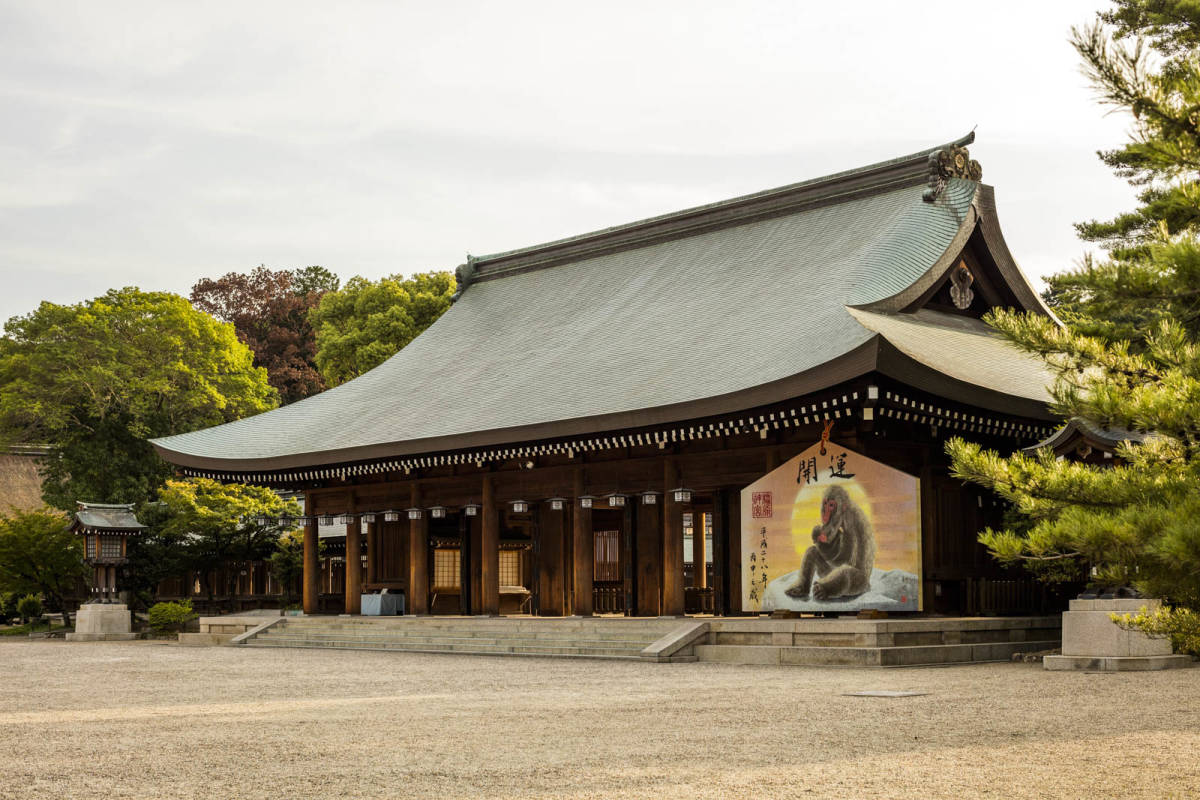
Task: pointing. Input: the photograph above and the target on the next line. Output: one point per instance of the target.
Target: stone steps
(563, 639)
(464, 648)
(415, 639)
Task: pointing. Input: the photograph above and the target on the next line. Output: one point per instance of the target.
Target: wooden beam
(418, 559)
(489, 566)
(672, 580)
(312, 568)
(584, 548)
(699, 550)
(354, 567)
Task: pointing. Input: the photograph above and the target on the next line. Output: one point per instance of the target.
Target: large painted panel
(831, 530)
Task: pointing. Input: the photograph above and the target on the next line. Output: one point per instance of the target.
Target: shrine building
(668, 416)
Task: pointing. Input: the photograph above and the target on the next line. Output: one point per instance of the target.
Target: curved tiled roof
(655, 321)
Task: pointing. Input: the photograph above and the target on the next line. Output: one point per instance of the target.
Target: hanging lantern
(437, 512)
(650, 498)
(616, 500)
(391, 516)
(262, 521)
(287, 520)
(520, 506)
(345, 519)
(471, 509)
(325, 519)
(682, 495)
(557, 503)
(586, 500)
(368, 517)
(415, 513)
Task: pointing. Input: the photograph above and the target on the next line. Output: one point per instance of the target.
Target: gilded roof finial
(464, 274)
(951, 161)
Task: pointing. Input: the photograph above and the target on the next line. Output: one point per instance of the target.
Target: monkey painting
(842, 555)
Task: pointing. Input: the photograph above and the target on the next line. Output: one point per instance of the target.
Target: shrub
(29, 607)
(8, 605)
(171, 617)
(1181, 625)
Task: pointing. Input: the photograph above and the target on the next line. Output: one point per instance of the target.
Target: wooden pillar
(418, 559)
(584, 547)
(699, 549)
(568, 553)
(464, 564)
(550, 559)
(733, 512)
(629, 553)
(489, 562)
(672, 583)
(354, 567)
(312, 567)
(649, 549)
(720, 526)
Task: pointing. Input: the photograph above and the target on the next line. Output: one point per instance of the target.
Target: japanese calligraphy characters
(842, 554)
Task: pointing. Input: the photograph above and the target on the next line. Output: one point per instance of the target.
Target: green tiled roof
(650, 322)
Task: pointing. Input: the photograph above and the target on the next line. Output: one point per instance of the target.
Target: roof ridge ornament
(960, 286)
(464, 276)
(951, 161)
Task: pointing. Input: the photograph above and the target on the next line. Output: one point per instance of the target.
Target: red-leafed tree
(269, 310)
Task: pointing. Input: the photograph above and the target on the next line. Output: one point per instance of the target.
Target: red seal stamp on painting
(761, 505)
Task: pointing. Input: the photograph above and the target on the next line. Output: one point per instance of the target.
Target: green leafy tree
(287, 563)
(219, 523)
(155, 555)
(1129, 360)
(314, 280)
(96, 379)
(39, 555)
(367, 322)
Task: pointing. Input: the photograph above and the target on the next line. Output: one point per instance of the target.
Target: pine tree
(1129, 358)
(1143, 63)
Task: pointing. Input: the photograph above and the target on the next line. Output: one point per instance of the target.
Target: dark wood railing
(608, 599)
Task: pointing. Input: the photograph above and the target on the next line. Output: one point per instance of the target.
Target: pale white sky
(152, 144)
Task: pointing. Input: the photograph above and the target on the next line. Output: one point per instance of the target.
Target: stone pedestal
(1092, 641)
(97, 622)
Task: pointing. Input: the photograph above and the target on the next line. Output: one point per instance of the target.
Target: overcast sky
(152, 144)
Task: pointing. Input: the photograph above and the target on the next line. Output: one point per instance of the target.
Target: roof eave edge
(852, 364)
(897, 364)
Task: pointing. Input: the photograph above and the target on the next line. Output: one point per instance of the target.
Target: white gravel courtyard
(156, 720)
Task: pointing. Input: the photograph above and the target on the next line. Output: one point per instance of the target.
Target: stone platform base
(101, 637)
(1115, 663)
(102, 622)
(1092, 641)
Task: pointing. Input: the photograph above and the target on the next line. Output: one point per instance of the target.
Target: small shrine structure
(105, 529)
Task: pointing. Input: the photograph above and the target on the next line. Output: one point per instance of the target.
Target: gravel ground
(155, 720)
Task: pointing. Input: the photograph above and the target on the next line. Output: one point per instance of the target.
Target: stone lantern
(105, 530)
